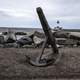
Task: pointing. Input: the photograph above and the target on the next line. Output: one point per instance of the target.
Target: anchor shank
(47, 30)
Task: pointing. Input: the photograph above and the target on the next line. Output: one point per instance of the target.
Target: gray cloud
(23, 12)
(4, 15)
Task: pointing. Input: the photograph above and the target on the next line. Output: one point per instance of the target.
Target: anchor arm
(43, 47)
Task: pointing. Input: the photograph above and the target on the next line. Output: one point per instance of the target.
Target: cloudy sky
(22, 13)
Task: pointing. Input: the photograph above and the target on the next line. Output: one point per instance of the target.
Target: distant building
(57, 28)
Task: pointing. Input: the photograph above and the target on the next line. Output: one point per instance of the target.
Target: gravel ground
(13, 65)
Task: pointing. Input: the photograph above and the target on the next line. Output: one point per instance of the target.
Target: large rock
(1, 39)
(38, 41)
(10, 45)
(24, 41)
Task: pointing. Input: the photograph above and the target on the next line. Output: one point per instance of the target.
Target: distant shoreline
(4, 29)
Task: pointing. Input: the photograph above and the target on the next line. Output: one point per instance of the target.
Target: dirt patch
(13, 64)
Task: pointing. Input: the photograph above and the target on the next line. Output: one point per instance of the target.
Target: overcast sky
(22, 13)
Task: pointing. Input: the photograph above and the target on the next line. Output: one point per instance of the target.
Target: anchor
(50, 40)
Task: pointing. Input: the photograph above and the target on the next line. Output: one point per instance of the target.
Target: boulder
(24, 41)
